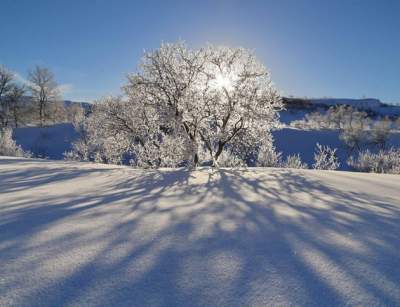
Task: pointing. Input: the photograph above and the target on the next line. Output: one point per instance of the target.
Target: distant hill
(373, 106)
(86, 105)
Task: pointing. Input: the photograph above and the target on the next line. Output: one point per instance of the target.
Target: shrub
(380, 132)
(227, 159)
(294, 161)
(268, 157)
(325, 158)
(385, 161)
(8, 147)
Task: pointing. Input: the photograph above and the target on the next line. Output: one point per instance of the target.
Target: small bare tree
(6, 79)
(380, 132)
(15, 102)
(44, 91)
(6, 82)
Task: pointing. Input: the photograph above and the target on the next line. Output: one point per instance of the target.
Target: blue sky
(335, 48)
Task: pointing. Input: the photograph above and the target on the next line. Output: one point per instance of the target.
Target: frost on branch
(325, 158)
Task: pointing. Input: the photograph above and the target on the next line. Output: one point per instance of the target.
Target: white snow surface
(81, 234)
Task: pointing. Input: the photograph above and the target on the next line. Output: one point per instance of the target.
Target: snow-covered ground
(78, 234)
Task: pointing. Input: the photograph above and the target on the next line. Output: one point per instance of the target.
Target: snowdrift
(85, 234)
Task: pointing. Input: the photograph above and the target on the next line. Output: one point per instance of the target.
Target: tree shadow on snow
(178, 238)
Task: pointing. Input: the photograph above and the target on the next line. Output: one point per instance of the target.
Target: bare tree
(44, 91)
(6, 82)
(380, 132)
(6, 79)
(15, 102)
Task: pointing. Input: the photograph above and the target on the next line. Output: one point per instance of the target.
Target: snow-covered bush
(127, 132)
(294, 161)
(269, 157)
(325, 158)
(8, 147)
(229, 159)
(336, 117)
(385, 161)
(315, 120)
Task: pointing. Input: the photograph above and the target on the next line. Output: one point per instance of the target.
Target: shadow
(252, 237)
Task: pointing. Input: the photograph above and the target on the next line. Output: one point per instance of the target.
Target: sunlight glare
(224, 81)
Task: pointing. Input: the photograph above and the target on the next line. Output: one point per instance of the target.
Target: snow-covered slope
(358, 103)
(50, 142)
(79, 234)
(291, 141)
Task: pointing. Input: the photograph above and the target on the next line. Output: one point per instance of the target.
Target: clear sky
(332, 48)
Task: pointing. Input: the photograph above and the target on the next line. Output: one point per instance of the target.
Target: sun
(224, 81)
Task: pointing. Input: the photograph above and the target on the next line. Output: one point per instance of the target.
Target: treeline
(357, 130)
(37, 101)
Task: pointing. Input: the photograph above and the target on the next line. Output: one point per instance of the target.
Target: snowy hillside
(85, 234)
(375, 107)
(50, 142)
(291, 141)
(358, 103)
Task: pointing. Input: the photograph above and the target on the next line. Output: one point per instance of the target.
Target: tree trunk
(41, 114)
(219, 151)
(196, 159)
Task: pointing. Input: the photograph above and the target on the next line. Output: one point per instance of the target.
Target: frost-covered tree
(6, 80)
(244, 104)
(102, 133)
(218, 97)
(325, 158)
(185, 106)
(169, 81)
(44, 91)
(15, 103)
(76, 115)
